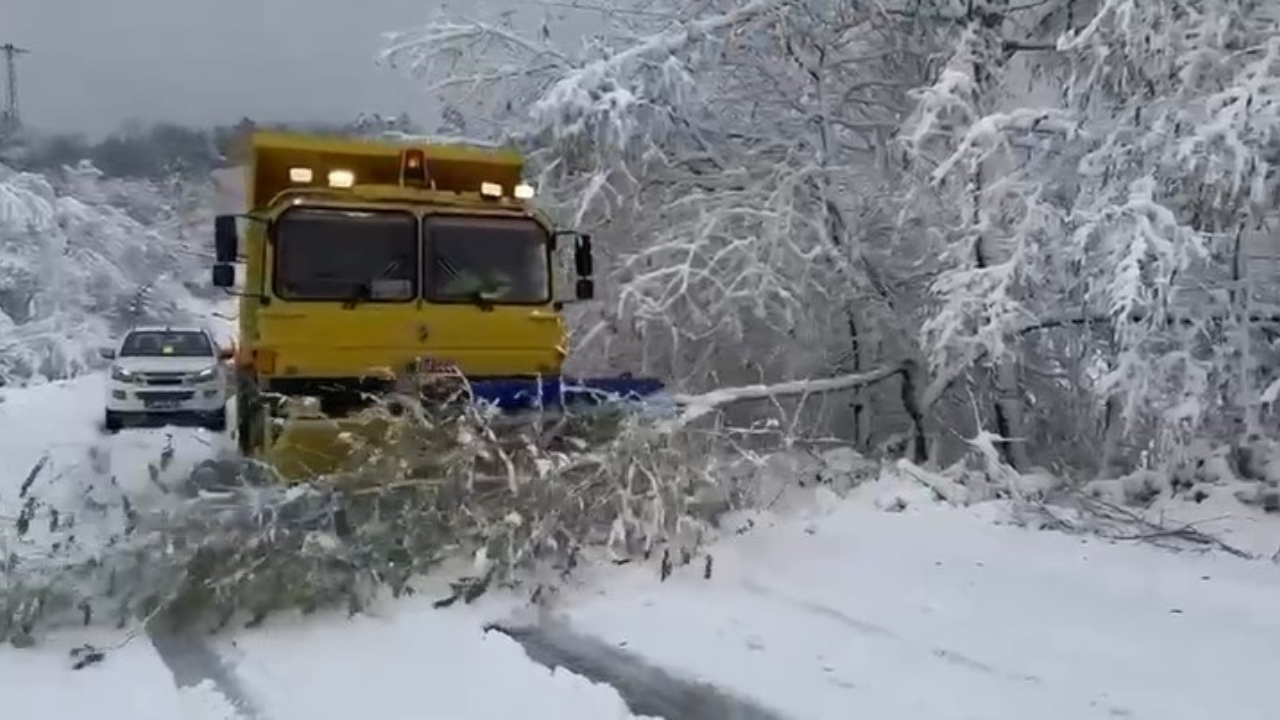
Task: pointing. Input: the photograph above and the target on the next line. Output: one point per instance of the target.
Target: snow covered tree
(1053, 202)
(731, 157)
(75, 269)
(1178, 196)
(988, 170)
(1102, 214)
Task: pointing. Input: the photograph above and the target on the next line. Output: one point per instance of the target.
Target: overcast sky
(97, 63)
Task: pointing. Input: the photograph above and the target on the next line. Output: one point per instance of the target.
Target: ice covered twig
(439, 42)
(1147, 530)
(578, 90)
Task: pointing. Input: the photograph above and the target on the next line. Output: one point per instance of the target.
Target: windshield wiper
(481, 297)
(364, 291)
(482, 300)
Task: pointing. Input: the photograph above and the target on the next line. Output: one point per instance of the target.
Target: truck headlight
(119, 374)
(205, 375)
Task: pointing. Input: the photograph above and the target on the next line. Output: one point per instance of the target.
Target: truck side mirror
(107, 353)
(582, 256)
(226, 239)
(224, 275)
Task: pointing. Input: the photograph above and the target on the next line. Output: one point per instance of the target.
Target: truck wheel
(244, 430)
(245, 399)
(112, 422)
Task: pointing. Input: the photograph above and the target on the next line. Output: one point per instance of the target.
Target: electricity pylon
(12, 119)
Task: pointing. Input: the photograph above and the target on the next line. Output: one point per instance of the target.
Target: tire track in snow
(196, 667)
(947, 655)
(647, 689)
(818, 609)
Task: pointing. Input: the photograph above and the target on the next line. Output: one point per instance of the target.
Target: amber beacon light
(413, 168)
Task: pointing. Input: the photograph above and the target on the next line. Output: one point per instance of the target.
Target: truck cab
(364, 263)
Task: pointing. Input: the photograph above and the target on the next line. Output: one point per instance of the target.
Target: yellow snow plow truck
(365, 263)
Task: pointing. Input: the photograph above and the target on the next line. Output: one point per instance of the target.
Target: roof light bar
(341, 178)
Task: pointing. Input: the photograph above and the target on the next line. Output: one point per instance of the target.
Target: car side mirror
(224, 275)
(226, 239)
(107, 353)
(226, 353)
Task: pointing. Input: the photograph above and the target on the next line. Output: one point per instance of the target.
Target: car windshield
(165, 343)
(326, 254)
(493, 259)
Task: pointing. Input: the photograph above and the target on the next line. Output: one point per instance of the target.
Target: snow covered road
(313, 671)
(939, 613)
(833, 609)
(58, 429)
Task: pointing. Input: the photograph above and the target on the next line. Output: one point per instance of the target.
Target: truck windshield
(487, 259)
(329, 254)
(164, 343)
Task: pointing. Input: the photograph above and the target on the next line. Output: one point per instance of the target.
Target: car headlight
(120, 374)
(205, 375)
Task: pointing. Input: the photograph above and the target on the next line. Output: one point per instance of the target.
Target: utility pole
(12, 120)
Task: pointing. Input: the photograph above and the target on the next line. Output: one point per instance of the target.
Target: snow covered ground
(828, 608)
(57, 428)
(937, 612)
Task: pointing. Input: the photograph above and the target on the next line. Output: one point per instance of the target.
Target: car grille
(163, 378)
(165, 395)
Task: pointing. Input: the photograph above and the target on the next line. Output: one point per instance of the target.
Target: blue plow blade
(556, 394)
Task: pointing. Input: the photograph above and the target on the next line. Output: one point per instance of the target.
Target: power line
(12, 119)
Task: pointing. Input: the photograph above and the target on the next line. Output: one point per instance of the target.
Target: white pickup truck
(167, 373)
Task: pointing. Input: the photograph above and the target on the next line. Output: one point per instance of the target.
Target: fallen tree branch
(696, 406)
(1123, 523)
(944, 488)
(1154, 531)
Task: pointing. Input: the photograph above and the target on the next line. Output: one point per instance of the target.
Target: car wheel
(217, 421)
